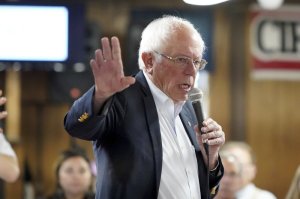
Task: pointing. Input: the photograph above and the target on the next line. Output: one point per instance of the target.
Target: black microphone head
(195, 94)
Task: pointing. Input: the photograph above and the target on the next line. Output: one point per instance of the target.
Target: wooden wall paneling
(274, 132)
(112, 22)
(34, 97)
(219, 82)
(287, 130)
(54, 140)
(237, 72)
(42, 135)
(34, 86)
(273, 129)
(13, 104)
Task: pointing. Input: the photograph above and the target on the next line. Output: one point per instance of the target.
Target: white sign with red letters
(275, 43)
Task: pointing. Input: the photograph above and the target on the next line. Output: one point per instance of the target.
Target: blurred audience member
(240, 170)
(231, 181)
(73, 176)
(9, 168)
(294, 190)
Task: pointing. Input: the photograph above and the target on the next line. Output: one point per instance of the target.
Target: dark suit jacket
(127, 143)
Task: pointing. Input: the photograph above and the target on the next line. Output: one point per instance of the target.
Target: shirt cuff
(214, 169)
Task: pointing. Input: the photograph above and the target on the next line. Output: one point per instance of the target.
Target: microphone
(195, 96)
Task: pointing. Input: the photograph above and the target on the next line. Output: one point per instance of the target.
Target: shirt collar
(245, 190)
(161, 99)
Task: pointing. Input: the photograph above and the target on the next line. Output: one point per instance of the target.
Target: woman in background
(73, 176)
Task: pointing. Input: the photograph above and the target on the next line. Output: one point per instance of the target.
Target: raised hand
(107, 67)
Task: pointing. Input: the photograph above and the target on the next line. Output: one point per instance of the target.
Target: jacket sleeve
(82, 122)
(214, 178)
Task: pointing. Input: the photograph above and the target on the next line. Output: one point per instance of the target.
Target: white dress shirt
(252, 192)
(179, 177)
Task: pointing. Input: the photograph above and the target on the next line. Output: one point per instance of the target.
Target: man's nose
(191, 68)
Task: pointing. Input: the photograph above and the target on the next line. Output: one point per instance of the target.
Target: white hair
(156, 35)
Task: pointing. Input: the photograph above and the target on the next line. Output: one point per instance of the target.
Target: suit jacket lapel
(189, 124)
(153, 126)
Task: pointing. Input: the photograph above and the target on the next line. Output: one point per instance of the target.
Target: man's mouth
(186, 87)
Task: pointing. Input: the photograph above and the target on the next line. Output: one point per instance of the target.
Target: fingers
(116, 50)
(99, 57)
(109, 52)
(212, 133)
(102, 55)
(210, 125)
(127, 81)
(106, 49)
(112, 51)
(94, 66)
(217, 141)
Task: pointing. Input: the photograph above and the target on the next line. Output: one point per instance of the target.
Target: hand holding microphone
(210, 132)
(195, 96)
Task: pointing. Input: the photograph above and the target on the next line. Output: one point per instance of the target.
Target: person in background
(294, 190)
(240, 170)
(231, 181)
(144, 130)
(73, 176)
(9, 167)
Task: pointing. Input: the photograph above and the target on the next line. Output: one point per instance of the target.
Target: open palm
(107, 69)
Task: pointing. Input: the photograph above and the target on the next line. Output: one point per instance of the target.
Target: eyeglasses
(184, 61)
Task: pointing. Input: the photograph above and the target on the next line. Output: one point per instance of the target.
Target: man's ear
(148, 61)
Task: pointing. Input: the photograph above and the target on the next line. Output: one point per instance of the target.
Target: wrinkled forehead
(185, 40)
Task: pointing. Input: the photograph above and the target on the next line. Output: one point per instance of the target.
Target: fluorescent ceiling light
(204, 2)
(270, 4)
